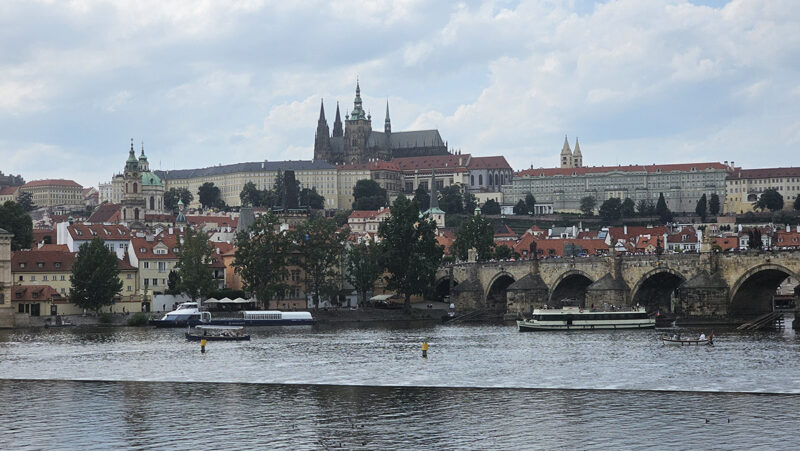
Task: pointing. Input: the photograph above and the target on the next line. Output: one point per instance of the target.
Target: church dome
(150, 179)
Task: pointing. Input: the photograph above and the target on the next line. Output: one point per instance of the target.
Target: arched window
(135, 188)
(124, 213)
(152, 203)
(480, 179)
(472, 180)
(135, 212)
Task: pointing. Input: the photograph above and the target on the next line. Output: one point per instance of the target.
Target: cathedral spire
(566, 148)
(321, 110)
(434, 203)
(387, 123)
(337, 123)
(358, 110)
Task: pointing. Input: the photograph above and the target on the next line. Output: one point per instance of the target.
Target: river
(367, 387)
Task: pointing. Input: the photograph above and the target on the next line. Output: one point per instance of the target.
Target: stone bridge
(705, 285)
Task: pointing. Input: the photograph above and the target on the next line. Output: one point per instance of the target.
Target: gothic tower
(566, 154)
(577, 157)
(387, 123)
(358, 126)
(322, 144)
(337, 124)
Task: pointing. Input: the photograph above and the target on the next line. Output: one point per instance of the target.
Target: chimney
(788, 228)
(170, 230)
(625, 229)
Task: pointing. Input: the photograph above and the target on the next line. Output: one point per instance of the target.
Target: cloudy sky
(215, 82)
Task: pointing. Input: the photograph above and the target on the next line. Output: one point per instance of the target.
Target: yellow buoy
(203, 345)
(424, 349)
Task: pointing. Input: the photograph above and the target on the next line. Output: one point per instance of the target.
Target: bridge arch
(442, 288)
(496, 291)
(654, 290)
(570, 284)
(753, 291)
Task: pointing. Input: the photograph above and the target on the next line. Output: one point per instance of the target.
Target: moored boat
(677, 340)
(256, 318)
(217, 333)
(186, 314)
(576, 318)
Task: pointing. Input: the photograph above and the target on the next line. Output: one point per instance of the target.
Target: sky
(202, 83)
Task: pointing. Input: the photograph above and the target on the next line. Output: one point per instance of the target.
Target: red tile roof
(160, 217)
(726, 242)
(432, 162)
(220, 221)
(41, 261)
(379, 165)
(8, 190)
(618, 233)
(677, 237)
(106, 213)
(764, 173)
(144, 248)
(498, 162)
(84, 232)
(53, 247)
(783, 239)
(52, 182)
(39, 234)
(34, 293)
(682, 167)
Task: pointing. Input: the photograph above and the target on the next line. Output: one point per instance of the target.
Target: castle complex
(357, 143)
(570, 159)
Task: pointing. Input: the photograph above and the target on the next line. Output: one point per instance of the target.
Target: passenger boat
(186, 314)
(677, 340)
(255, 318)
(576, 318)
(217, 333)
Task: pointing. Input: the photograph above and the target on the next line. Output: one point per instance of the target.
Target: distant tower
(387, 123)
(577, 157)
(566, 154)
(133, 202)
(358, 127)
(322, 136)
(337, 124)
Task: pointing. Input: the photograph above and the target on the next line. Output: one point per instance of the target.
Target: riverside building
(744, 187)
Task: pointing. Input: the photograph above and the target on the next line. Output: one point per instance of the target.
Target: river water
(367, 387)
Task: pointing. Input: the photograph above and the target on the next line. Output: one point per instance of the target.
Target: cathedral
(357, 142)
(570, 159)
(142, 192)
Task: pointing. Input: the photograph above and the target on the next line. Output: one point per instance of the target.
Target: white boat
(217, 333)
(186, 314)
(576, 318)
(679, 341)
(256, 318)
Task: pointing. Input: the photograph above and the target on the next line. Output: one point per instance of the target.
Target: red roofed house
(744, 186)
(106, 213)
(116, 236)
(9, 193)
(726, 243)
(489, 173)
(367, 221)
(684, 239)
(54, 192)
(787, 239)
(154, 256)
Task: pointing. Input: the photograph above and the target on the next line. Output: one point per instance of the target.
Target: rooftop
(256, 166)
(52, 182)
(654, 168)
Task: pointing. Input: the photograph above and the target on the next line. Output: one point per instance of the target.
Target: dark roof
(497, 162)
(608, 283)
(403, 140)
(256, 166)
(653, 168)
(4, 232)
(105, 213)
(529, 282)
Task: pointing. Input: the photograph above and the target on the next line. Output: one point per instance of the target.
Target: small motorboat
(217, 333)
(678, 340)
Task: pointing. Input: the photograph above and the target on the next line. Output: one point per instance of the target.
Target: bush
(105, 318)
(138, 320)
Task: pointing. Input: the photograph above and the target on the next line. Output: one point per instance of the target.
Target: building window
(480, 179)
(146, 265)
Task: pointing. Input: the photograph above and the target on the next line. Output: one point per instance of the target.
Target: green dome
(150, 179)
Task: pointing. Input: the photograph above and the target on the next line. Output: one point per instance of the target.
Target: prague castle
(358, 143)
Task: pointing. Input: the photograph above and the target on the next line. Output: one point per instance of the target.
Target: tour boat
(677, 340)
(576, 318)
(255, 318)
(186, 314)
(217, 333)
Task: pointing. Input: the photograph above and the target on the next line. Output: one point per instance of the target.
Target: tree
(14, 219)
(770, 199)
(587, 205)
(662, 210)
(409, 251)
(319, 247)
(95, 276)
(491, 207)
(312, 199)
(172, 196)
(209, 195)
(475, 232)
(713, 204)
(628, 208)
(279, 188)
(645, 207)
(754, 241)
(368, 195)
(195, 279)
(172, 282)
(611, 209)
(341, 216)
(251, 195)
(362, 268)
(470, 203)
(25, 199)
(530, 203)
(261, 258)
(701, 207)
(797, 203)
(520, 208)
(503, 252)
(422, 198)
(451, 201)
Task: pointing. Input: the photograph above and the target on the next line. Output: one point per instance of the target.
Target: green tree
(451, 201)
(14, 219)
(754, 241)
(713, 204)
(701, 207)
(279, 188)
(470, 203)
(770, 200)
(491, 207)
(610, 210)
(503, 252)
(587, 205)
(195, 278)
(475, 232)
(409, 251)
(209, 195)
(341, 216)
(25, 199)
(368, 195)
(530, 203)
(261, 258)
(362, 268)
(172, 282)
(645, 207)
(797, 203)
(251, 195)
(628, 208)
(422, 198)
(312, 199)
(319, 247)
(520, 208)
(662, 210)
(172, 196)
(95, 276)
